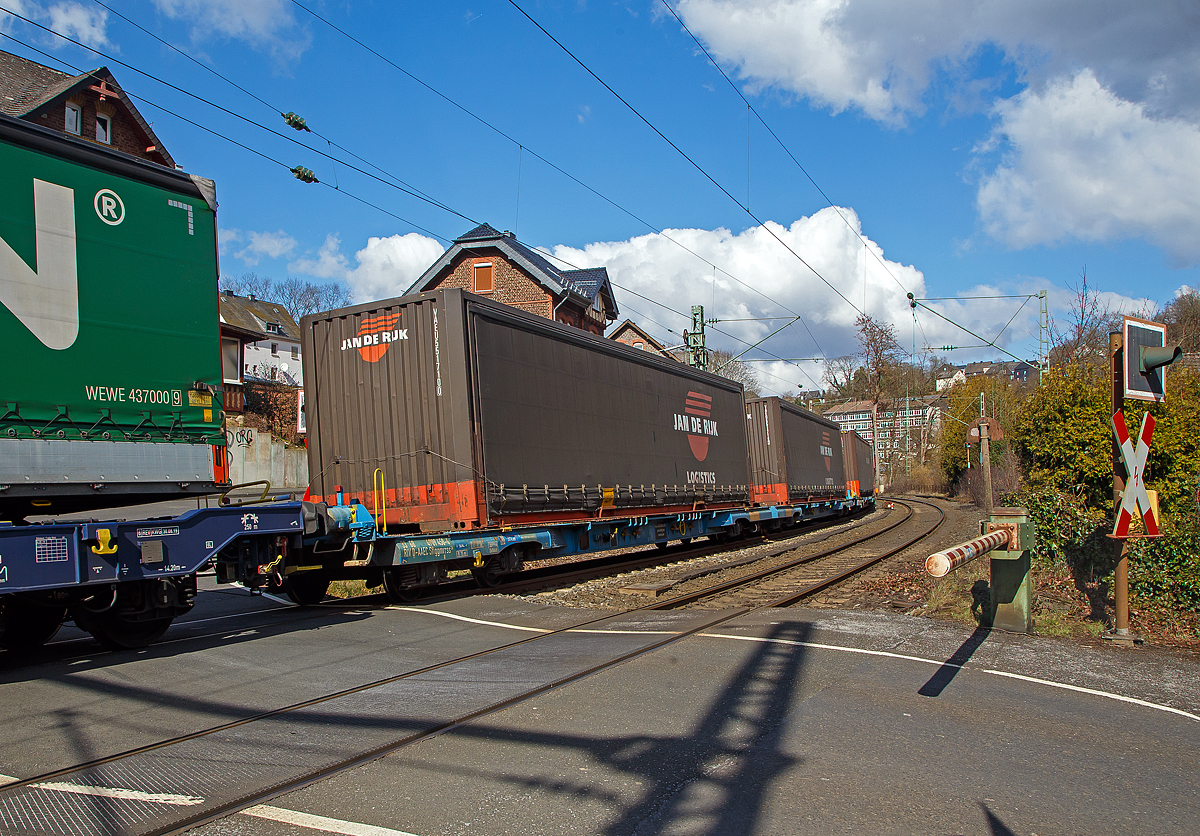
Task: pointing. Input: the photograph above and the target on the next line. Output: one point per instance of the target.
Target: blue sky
(979, 149)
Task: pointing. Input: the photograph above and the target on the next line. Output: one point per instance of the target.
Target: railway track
(182, 782)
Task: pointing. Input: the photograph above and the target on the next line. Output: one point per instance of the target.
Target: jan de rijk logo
(375, 335)
(696, 420)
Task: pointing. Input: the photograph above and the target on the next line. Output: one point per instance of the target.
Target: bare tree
(1182, 318)
(881, 358)
(839, 374)
(1082, 339)
(297, 297)
(721, 362)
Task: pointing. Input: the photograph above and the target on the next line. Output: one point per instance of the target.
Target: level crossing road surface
(780, 722)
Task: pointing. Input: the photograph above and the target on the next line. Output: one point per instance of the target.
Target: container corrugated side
(795, 455)
(572, 424)
(865, 454)
(815, 468)
(388, 410)
(850, 461)
(768, 454)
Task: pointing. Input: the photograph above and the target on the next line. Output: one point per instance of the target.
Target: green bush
(1067, 533)
(1166, 570)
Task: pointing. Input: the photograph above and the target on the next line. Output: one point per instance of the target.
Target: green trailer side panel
(146, 296)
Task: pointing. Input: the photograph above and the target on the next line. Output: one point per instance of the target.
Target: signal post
(1139, 359)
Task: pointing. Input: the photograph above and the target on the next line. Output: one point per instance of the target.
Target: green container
(108, 315)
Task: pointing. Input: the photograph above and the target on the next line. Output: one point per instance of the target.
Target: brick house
(630, 334)
(90, 106)
(497, 265)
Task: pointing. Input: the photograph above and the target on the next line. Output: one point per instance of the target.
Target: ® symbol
(46, 300)
(109, 207)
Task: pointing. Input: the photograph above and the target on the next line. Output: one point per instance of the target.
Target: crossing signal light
(1151, 358)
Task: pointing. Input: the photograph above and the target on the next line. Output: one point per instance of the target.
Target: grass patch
(352, 589)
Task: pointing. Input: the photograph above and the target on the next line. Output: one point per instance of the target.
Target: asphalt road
(787, 722)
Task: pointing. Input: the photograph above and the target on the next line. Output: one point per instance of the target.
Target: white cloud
(881, 56)
(86, 25)
(1083, 163)
(328, 264)
(1101, 142)
(384, 268)
(269, 25)
(773, 283)
(257, 245)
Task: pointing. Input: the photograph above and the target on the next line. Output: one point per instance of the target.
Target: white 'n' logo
(46, 301)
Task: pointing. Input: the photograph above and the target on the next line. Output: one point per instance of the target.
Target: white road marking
(1095, 693)
(470, 620)
(816, 646)
(118, 792)
(7, 779)
(322, 823)
(534, 629)
(279, 600)
(1032, 679)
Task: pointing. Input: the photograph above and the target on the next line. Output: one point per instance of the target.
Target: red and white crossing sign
(1135, 466)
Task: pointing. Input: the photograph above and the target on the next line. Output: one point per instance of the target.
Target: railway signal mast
(1139, 359)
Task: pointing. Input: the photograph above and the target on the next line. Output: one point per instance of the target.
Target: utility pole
(985, 456)
(697, 350)
(1043, 338)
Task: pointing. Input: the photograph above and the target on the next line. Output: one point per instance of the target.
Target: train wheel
(119, 632)
(489, 576)
(306, 588)
(27, 625)
(396, 593)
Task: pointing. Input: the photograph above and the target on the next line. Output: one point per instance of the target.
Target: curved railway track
(210, 773)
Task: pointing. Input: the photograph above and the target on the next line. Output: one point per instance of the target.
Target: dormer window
(72, 119)
(274, 328)
(103, 129)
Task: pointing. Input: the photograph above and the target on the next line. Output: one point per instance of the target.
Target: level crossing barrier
(1006, 537)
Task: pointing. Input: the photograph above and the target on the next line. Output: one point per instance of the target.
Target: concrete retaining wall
(255, 454)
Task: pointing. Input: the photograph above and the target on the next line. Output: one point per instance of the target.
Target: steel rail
(820, 586)
(725, 586)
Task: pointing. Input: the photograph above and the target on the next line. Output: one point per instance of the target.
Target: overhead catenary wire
(232, 141)
(653, 228)
(267, 157)
(821, 191)
(763, 225)
(333, 159)
(227, 111)
(251, 94)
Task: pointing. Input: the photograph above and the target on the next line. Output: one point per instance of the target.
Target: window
(485, 277)
(295, 352)
(103, 129)
(72, 119)
(275, 348)
(274, 328)
(639, 344)
(231, 361)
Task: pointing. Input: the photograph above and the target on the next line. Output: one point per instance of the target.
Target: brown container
(858, 457)
(795, 456)
(447, 410)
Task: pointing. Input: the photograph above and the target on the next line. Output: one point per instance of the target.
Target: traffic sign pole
(1116, 344)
